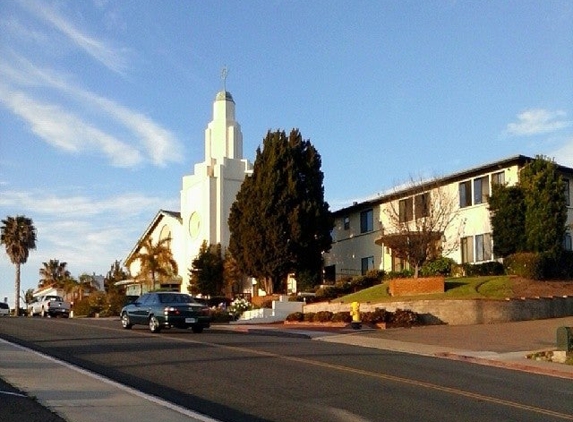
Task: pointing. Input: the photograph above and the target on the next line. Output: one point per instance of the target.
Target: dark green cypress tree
(531, 216)
(280, 222)
(507, 215)
(545, 206)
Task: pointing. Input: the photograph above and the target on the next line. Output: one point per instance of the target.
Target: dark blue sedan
(160, 310)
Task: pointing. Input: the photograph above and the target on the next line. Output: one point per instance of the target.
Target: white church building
(206, 197)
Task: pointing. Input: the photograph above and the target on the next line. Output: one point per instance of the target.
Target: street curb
(523, 367)
(265, 332)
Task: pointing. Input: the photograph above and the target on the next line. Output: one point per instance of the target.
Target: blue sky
(103, 104)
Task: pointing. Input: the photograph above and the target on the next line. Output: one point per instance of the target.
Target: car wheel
(154, 326)
(125, 322)
(197, 328)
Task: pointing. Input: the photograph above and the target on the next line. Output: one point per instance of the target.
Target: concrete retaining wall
(465, 312)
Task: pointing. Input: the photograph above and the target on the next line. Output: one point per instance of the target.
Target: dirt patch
(531, 288)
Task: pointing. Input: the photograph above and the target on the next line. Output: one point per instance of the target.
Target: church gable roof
(161, 214)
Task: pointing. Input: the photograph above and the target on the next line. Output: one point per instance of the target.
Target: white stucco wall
(209, 192)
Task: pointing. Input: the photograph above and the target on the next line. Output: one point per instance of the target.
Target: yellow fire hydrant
(355, 314)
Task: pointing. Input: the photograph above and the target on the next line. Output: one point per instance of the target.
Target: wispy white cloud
(537, 121)
(159, 145)
(69, 117)
(113, 59)
(66, 130)
(62, 207)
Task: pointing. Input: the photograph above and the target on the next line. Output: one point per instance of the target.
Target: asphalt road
(240, 377)
(16, 405)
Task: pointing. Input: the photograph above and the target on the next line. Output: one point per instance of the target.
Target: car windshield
(58, 298)
(175, 298)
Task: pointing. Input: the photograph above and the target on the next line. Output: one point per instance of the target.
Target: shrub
(323, 316)
(399, 274)
(362, 282)
(400, 318)
(404, 318)
(525, 264)
(343, 316)
(343, 286)
(326, 293)
(308, 316)
(295, 317)
(238, 306)
(376, 316)
(377, 274)
(483, 269)
(104, 304)
(565, 265)
(98, 304)
(115, 303)
(221, 315)
(457, 270)
(82, 308)
(439, 266)
(380, 315)
(367, 317)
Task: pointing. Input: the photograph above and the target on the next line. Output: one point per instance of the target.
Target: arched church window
(165, 232)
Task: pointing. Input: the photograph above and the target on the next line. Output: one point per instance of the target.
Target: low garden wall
(466, 312)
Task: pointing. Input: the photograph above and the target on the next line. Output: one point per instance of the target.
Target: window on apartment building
(422, 205)
(567, 242)
(483, 247)
(467, 246)
(346, 222)
(567, 191)
(465, 194)
(498, 178)
(481, 190)
(366, 221)
(406, 210)
(367, 264)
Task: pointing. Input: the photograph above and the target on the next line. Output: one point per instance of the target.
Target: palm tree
(54, 274)
(156, 262)
(28, 296)
(18, 235)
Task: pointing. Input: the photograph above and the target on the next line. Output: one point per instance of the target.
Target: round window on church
(194, 224)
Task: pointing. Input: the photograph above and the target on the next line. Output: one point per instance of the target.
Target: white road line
(10, 393)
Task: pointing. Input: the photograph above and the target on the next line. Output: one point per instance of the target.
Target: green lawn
(493, 287)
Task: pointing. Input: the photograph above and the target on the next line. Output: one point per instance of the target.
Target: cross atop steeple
(224, 73)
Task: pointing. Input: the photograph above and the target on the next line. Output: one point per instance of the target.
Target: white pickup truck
(50, 306)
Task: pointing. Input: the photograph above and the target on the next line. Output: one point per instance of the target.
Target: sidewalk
(80, 396)
(75, 394)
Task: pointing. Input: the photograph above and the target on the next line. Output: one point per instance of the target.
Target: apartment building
(364, 231)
